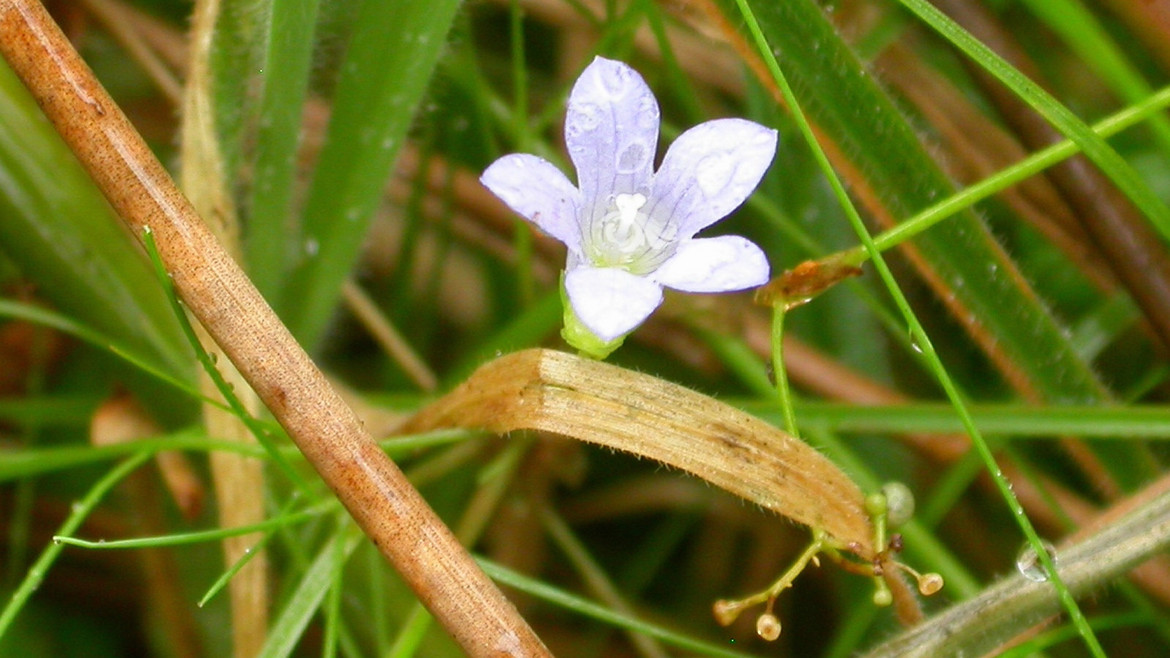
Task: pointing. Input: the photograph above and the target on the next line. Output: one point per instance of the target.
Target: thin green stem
(1111, 163)
(204, 536)
(252, 423)
(586, 608)
(918, 332)
(79, 511)
(779, 312)
(1026, 168)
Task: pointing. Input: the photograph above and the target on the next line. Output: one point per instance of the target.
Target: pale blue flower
(630, 230)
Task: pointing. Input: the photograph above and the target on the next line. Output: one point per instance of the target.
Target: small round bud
(882, 597)
(899, 503)
(876, 504)
(929, 583)
(768, 627)
(726, 611)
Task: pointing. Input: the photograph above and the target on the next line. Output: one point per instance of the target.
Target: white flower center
(627, 237)
(627, 208)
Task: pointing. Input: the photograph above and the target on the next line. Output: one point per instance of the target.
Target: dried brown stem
(218, 293)
(239, 480)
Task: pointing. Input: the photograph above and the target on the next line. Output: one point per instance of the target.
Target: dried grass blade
(610, 406)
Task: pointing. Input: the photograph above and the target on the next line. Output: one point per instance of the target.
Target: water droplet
(715, 172)
(615, 80)
(647, 115)
(1029, 565)
(312, 246)
(632, 158)
(582, 118)
(914, 343)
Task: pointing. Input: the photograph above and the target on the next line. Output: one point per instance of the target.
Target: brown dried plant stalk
(221, 297)
(239, 480)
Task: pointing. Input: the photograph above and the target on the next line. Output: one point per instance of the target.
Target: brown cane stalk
(221, 297)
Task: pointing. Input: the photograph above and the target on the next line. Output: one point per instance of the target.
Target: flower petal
(611, 302)
(539, 192)
(611, 131)
(718, 264)
(709, 171)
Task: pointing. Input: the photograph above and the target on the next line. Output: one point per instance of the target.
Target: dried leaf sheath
(610, 406)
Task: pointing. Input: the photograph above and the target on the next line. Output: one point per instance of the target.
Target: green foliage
(976, 355)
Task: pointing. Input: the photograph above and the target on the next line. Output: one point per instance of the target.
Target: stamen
(628, 206)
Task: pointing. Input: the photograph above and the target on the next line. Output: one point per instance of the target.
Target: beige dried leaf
(590, 401)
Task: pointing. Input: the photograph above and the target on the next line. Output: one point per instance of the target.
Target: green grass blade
(292, 620)
(962, 254)
(269, 236)
(587, 608)
(916, 329)
(1085, 34)
(1095, 148)
(59, 230)
(54, 320)
(392, 54)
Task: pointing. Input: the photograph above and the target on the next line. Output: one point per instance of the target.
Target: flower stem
(779, 311)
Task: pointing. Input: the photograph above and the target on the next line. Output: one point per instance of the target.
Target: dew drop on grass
(1029, 565)
(914, 343)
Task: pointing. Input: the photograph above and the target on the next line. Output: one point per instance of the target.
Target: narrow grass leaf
(269, 235)
(59, 230)
(1095, 148)
(292, 620)
(392, 54)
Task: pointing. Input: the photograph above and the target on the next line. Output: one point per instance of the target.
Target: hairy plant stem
(239, 481)
(217, 292)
